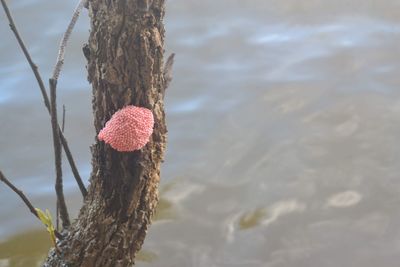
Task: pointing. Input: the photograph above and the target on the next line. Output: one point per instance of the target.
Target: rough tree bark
(125, 67)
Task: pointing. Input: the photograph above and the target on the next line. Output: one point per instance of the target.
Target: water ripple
(344, 199)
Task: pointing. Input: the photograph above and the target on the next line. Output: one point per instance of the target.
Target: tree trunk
(125, 67)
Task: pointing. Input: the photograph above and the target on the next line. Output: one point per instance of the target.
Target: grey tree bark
(125, 67)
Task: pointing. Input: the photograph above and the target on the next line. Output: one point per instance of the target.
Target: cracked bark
(125, 67)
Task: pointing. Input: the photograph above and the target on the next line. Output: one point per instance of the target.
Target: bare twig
(64, 41)
(57, 204)
(45, 97)
(71, 161)
(57, 155)
(19, 193)
(57, 216)
(167, 72)
(26, 53)
(56, 73)
(24, 199)
(63, 120)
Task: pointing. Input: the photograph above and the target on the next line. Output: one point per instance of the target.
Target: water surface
(283, 117)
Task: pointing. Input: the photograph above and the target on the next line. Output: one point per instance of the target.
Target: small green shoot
(46, 219)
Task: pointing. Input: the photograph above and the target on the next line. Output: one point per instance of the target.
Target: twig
(71, 161)
(26, 53)
(57, 155)
(63, 120)
(167, 72)
(19, 193)
(25, 199)
(58, 205)
(57, 216)
(64, 41)
(45, 98)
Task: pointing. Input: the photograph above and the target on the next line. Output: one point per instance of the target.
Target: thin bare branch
(57, 156)
(63, 119)
(167, 72)
(45, 98)
(57, 216)
(19, 193)
(25, 200)
(64, 41)
(27, 55)
(74, 169)
(57, 204)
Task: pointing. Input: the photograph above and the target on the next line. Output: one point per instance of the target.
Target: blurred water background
(284, 121)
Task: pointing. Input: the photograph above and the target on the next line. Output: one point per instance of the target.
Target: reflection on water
(251, 219)
(344, 199)
(283, 117)
(29, 249)
(25, 249)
